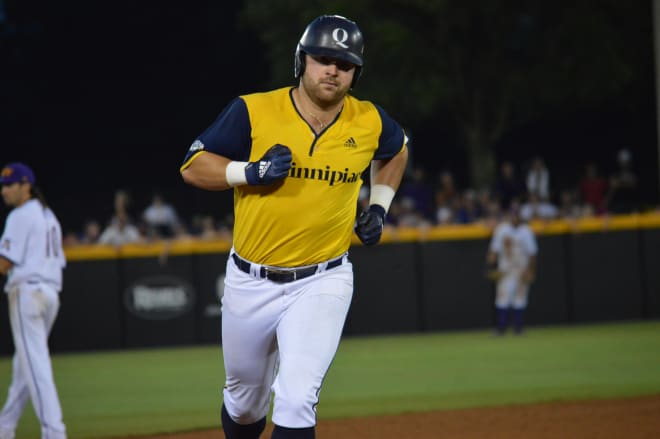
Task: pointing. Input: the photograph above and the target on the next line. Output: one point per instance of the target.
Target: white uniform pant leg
(521, 295)
(308, 337)
(33, 310)
(17, 397)
(250, 311)
(511, 291)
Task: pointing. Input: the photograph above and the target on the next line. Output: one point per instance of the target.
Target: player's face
(15, 194)
(327, 79)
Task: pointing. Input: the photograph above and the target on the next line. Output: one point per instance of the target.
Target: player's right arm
(227, 139)
(218, 159)
(207, 171)
(216, 172)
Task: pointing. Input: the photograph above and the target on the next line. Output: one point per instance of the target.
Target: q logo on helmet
(340, 36)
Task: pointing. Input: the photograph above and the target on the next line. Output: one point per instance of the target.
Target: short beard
(318, 97)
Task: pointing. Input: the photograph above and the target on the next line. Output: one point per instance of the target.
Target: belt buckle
(276, 271)
(280, 275)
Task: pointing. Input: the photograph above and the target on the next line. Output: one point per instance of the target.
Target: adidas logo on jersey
(350, 143)
(263, 168)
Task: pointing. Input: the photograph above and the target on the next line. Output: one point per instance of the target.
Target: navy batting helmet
(333, 36)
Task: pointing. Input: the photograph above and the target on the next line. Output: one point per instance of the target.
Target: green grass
(149, 391)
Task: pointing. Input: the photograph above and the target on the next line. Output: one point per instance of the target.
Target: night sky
(111, 96)
(98, 96)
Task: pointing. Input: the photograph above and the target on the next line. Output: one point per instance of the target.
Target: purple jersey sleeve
(229, 135)
(391, 137)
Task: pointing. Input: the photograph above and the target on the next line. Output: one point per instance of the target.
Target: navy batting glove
(369, 225)
(273, 166)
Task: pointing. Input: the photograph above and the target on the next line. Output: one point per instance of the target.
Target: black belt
(284, 275)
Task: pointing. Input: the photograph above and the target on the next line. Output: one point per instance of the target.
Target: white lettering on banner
(159, 298)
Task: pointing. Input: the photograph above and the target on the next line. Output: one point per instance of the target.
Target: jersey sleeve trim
(187, 163)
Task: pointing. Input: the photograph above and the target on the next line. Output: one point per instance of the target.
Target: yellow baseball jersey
(309, 216)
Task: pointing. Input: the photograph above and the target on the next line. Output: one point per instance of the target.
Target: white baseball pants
(511, 291)
(281, 337)
(32, 312)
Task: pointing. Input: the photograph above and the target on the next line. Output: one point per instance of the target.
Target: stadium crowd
(422, 201)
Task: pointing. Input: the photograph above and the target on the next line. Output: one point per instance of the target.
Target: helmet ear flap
(299, 63)
(356, 75)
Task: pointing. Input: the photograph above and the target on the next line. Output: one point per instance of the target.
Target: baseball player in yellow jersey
(294, 158)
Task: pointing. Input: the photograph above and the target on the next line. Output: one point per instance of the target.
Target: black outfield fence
(168, 294)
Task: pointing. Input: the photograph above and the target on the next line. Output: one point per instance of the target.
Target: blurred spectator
(569, 208)
(490, 208)
(623, 196)
(446, 194)
(443, 209)
(197, 225)
(416, 188)
(70, 239)
(161, 219)
(538, 179)
(508, 187)
(88, 235)
(209, 229)
(205, 227)
(122, 203)
(91, 232)
(409, 216)
(536, 208)
(226, 227)
(447, 186)
(120, 231)
(592, 190)
(466, 209)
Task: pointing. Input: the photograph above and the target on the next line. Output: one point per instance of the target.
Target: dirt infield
(631, 418)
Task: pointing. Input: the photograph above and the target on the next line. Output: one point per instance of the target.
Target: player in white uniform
(513, 249)
(32, 258)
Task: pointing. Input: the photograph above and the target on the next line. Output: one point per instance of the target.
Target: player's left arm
(387, 168)
(388, 172)
(389, 161)
(386, 175)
